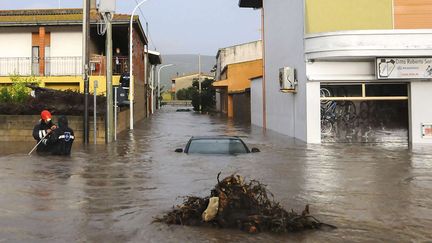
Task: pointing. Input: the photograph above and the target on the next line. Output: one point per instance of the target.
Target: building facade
(235, 67)
(360, 70)
(154, 59)
(47, 44)
(186, 81)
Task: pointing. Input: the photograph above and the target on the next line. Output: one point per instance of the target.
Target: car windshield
(217, 146)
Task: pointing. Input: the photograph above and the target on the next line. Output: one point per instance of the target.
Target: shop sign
(404, 68)
(427, 130)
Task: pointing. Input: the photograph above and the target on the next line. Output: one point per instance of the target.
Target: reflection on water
(111, 194)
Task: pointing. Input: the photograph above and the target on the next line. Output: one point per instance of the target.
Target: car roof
(214, 137)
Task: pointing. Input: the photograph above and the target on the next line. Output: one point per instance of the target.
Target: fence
(63, 66)
(58, 66)
(18, 65)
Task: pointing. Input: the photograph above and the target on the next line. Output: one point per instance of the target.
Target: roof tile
(53, 15)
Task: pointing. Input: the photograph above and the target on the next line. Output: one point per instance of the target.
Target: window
(365, 91)
(217, 146)
(35, 60)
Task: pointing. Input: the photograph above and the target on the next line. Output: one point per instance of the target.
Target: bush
(57, 102)
(18, 92)
(187, 93)
(5, 95)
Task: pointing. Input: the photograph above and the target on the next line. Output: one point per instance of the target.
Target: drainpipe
(152, 89)
(264, 70)
(146, 78)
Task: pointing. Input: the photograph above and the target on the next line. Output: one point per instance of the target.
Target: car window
(217, 146)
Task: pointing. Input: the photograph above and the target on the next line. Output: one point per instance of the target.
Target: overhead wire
(148, 34)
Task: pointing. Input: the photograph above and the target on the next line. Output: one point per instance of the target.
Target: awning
(155, 57)
(221, 84)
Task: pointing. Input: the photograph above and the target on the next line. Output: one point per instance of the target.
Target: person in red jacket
(42, 131)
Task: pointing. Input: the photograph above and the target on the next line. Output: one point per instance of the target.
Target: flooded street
(371, 192)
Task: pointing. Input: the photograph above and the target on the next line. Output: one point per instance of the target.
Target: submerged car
(183, 110)
(216, 145)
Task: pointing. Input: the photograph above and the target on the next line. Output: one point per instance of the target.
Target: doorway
(364, 112)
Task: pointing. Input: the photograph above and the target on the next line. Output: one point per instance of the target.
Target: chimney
(93, 4)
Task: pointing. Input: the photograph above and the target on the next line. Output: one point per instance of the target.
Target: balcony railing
(119, 65)
(63, 66)
(59, 66)
(18, 65)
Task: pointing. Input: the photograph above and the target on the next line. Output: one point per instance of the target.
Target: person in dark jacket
(62, 138)
(42, 131)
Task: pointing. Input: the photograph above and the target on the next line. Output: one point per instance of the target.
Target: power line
(139, 8)
(148, 34)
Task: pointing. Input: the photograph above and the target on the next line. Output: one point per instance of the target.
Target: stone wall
(19, 128)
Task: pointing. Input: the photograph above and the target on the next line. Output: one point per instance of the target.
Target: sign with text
(404, 68)
(427, 130)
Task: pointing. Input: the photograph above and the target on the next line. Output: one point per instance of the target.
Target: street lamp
(131, 80)
(158, 86)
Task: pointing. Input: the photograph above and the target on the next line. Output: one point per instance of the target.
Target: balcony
(59, 66)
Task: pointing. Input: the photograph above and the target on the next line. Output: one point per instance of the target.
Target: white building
(365, 55)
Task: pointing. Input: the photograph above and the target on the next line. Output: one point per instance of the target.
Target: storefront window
(365, 91)
(386, 90)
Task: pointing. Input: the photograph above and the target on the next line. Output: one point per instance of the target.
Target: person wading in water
(42, 131)
(62, 138)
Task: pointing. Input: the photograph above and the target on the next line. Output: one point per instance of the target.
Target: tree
(207, 98)
(186, 93)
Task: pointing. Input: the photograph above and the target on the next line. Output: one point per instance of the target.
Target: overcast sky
(179, 27)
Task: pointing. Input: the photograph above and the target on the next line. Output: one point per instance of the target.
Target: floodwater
(371, 192)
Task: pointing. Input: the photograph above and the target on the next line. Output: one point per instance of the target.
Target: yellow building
(339, 15)
(167, 96)
(235, 85)
(235, 67)
(186, 81)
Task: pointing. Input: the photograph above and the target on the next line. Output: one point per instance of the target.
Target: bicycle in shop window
(337, 117)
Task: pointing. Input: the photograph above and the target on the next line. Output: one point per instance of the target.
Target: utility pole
(109, 122)
(152, 78)
(199, 81)
(85, 64)
(147, 73)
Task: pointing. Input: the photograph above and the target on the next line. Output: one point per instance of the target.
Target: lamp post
(199, 82)
(131, 80)
(158, 86)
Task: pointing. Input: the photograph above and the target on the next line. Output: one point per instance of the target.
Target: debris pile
(233, 203)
